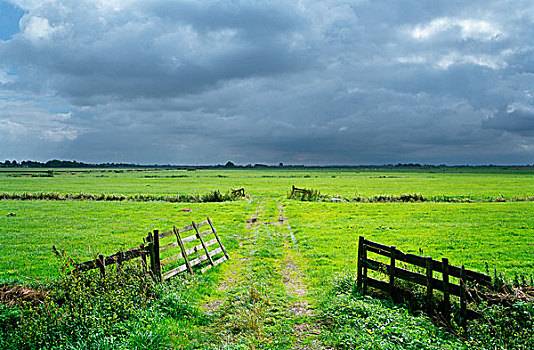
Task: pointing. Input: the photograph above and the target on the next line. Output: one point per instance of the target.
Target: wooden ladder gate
(154, 249)
(430, 265)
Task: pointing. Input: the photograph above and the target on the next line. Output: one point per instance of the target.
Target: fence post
(360, 264)
(364, 260)
(446, 296)
(101, 263)
(143, 256)
(463, 298)
(429, 286)
(120, 259)
(392, 271)
(157, 261)
(150, 240)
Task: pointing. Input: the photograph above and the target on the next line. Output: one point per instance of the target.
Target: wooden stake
(364, 261)
(360, 263)
(463, 298)
(392, 271)
(143, 256)
(446, 295)
(157, 260)
(151, 252)
(101, 262)
(429, 289)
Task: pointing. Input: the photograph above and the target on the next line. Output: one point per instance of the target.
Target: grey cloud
(518, 121)
(168, 50)
(312, 82)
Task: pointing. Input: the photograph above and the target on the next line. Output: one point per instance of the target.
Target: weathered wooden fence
(239, 192)
(428, 280)
(116, 259)
(303, 191)
(153, 249)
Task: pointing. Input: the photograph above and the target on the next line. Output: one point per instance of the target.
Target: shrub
(80, 309)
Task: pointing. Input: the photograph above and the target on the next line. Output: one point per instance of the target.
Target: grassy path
(261, 299)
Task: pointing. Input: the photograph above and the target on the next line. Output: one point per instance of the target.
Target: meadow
(280, 272)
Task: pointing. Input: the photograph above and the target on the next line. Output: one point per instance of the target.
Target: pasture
(289, 263)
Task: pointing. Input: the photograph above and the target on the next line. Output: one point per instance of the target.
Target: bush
(84, 311)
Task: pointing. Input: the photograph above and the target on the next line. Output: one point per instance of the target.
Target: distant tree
(281, 164)
(230, 164)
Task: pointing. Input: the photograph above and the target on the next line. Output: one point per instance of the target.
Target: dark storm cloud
(267, 81)
(154, 49)
(518, 121)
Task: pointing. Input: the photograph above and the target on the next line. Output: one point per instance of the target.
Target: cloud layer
(338, 82)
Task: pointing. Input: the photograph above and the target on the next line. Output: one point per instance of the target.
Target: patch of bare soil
(292, 281)
(254, 219)
(281, 218)
(18, 294)
(212, 306)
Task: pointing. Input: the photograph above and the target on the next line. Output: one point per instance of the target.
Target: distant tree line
(63, 164)
(55, 163)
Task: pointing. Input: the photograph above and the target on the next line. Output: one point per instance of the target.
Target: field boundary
(213, 196)
(427, 280)
(152, 248)
(115, 259)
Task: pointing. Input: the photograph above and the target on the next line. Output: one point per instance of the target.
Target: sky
(297, 81)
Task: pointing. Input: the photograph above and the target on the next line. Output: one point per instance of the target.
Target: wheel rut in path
(306, 332)
(268, 239)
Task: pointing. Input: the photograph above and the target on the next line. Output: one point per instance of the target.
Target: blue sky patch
(9, 20)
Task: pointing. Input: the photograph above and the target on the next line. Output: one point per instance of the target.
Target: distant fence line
(306, 194)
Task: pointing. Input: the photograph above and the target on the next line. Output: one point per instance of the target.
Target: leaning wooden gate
(187, 257)
(164, 262)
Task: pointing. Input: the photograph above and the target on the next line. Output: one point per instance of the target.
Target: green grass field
(289, 265)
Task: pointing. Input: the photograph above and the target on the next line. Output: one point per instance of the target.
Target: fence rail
(118, 258)
(427, 279)
(153, 249)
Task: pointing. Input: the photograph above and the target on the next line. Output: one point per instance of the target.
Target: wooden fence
(428, 280)
(239, 192)
(118, 258)
(303, 191)
(153, 248)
